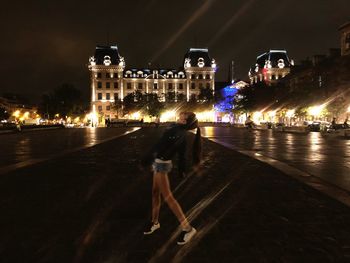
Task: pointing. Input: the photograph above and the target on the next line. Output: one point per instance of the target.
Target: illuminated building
(270, 67)
(111, 81)
(228, 93)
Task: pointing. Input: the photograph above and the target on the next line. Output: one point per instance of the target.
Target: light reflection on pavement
(22, 148)
(325, 157)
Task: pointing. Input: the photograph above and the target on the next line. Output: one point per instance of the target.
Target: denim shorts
(162, 166)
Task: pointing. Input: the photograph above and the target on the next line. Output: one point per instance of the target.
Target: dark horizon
(48, 44)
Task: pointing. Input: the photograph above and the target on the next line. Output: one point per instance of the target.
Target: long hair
(192, 123)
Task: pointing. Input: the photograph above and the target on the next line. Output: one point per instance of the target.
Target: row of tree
(65, 100)
(152, 105)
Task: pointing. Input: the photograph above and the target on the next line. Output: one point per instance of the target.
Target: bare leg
(155, 201)
(164, 187)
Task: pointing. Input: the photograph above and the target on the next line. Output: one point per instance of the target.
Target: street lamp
(315, 111)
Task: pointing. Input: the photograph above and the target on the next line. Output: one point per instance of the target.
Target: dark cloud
(47, 43)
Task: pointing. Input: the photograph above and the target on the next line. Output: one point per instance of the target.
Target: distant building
(111, 81)
(345, 39)
(270, 67)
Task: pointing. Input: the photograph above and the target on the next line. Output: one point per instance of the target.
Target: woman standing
(173, 142)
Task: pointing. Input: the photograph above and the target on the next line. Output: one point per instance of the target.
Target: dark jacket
(171, 143)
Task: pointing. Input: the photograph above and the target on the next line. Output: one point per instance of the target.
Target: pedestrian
(346, 125)
(334, 123)
(171, 143)
(249, 123)
(157, 122)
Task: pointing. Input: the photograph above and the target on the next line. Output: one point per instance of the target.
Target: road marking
(317, 183)
(13, 167)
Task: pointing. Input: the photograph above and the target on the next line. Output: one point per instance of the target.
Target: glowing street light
(257, 116)
(272, 114)
(290, 113)
(316, 110)
(16, 113)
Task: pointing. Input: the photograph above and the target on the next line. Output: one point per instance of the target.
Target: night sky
(47, 43)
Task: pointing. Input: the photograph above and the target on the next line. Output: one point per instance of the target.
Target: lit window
(99, 96)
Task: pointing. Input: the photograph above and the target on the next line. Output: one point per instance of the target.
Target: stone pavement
(92, 205)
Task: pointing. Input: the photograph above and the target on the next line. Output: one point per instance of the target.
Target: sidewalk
(91, 206)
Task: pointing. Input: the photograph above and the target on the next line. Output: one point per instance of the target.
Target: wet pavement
(21, 148)
(91, 206)
(326, 157)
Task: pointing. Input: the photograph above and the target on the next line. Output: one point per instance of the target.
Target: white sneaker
(151, 228)
(186, 236)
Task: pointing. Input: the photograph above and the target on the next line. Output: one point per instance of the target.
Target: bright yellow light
(315, 110)
(16, 113)
(136, 115)
(57, 115)
(77, 119)
(272, 114)
(168, 116)
(205, 116)
(257, 116)
(349, 109)
(26, 115)
(69, 119)
(290, 113)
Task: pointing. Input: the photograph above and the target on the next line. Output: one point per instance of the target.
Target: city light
(168, 116)
(206, 116)
(272, 114)
(257, 116)
(290, 113)
(16, 114)
(136, 115)
(26, 115)
(315, 110)
(349, 108)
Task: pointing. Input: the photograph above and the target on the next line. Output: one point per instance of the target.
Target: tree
(206, 95)
(151, 104)
(64, 100)
(170, 96)
(117, 106)
(129, 103)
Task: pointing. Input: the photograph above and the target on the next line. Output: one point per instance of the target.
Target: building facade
(111, 81)
(270, 67)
